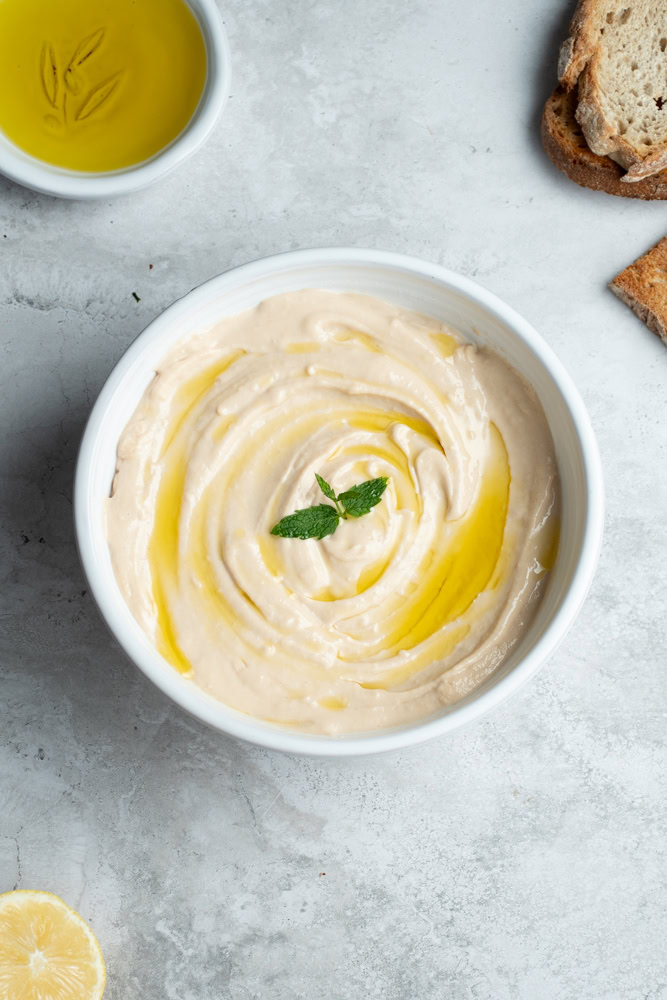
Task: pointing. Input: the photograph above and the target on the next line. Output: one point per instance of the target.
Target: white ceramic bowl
(74, 184)
(475, 313)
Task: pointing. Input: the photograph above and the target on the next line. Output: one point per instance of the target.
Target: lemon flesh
(47, 951)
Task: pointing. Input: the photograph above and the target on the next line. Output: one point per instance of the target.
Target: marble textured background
(523, 858)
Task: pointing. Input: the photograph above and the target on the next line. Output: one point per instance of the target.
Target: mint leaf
(326, 489)
(359, 500)
(323, 519)
(310, 522)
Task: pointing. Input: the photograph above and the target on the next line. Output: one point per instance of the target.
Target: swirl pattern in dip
(398, 613)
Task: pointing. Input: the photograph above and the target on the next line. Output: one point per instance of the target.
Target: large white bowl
(75, 184)
(475, 313)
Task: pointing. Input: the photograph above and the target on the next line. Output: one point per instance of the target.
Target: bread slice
(564, 142)
(643, 287)
(617, 52)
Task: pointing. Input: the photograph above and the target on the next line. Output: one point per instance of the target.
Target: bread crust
(579, 64)
(647, 167)
(578, 48)
(567, 148)
(643, 287)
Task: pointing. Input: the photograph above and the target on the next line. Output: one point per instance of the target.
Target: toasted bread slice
(617, 53)
(564, 142)
(643, 287)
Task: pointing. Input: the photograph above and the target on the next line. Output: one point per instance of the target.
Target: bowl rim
(59, 182)
(227, 720)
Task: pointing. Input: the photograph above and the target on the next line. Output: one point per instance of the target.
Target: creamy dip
(396, 614)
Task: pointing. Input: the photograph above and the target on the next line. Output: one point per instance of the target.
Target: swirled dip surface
(399, 612)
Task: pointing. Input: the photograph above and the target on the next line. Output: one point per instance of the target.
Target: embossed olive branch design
(58, 84)
(84, 51)
(97, 97)
(49, 71)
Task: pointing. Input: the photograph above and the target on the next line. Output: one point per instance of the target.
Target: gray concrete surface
(523, 858)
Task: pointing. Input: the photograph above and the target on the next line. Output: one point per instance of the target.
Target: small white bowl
(475, 313)
(80, 185)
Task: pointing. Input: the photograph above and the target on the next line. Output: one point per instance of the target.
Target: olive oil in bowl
(98, 85)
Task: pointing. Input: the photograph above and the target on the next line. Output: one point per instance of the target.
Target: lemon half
(47, 951)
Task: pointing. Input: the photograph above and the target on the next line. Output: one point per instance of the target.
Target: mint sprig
(323, 519)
